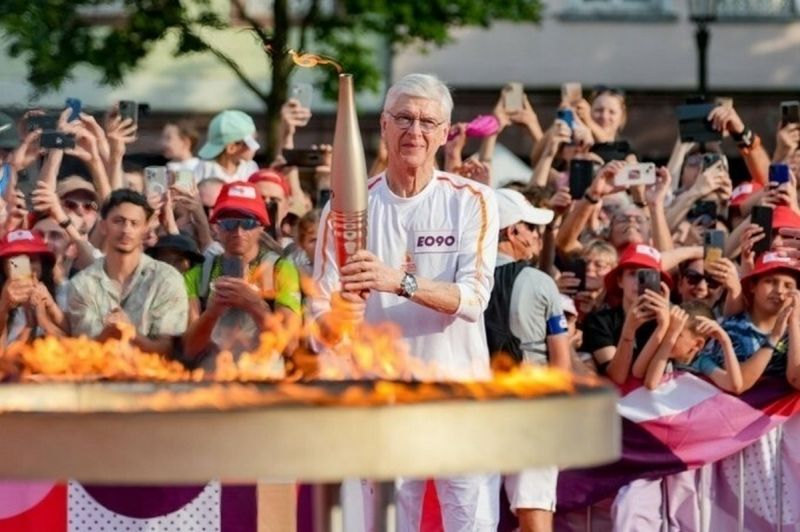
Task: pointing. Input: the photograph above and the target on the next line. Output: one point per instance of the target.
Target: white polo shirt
(447, 232)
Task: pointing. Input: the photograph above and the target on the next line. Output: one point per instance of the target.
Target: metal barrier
(704, 515)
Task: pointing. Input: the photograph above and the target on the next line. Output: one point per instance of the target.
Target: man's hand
(16, 292)
(27, 152)
(46, 201)
(712, 179)
(791, 242)
(656, 194)
(112, 329)
(238, 293)
(787, 141)
(603, 183)
(475, 170)
(365, 272)
(726, 120)
(711, 329)
(560, 202)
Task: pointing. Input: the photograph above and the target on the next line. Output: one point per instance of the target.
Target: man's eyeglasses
(402, 121)
(74, 205)
(231, 224)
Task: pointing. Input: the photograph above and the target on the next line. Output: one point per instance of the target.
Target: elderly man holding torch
(427, 267)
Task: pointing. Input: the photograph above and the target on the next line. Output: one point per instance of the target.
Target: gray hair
(421, 86)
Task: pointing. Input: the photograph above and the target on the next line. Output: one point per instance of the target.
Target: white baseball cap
(514, 208)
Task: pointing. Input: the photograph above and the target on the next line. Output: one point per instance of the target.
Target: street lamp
(702, 12)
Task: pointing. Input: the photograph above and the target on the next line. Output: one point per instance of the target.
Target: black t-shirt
(603, 328)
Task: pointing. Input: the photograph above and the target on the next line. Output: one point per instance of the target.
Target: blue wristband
(557, 325)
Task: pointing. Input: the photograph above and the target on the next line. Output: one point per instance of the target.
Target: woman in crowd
(28, 307)
(179, 141)
(606, 115)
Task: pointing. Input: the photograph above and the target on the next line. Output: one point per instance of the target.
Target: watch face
(409, 284)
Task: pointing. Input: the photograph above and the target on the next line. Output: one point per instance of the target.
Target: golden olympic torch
(348, 217)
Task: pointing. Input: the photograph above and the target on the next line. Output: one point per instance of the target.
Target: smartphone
(57, 140)
(567, 116)
(710, 159)
(304, 158)
(43, 122)
(129, 109)
(274, 229)
(157, 179)
(578, 268)
(581, 172)
(19, 267)
(183, 179)
(232, 267)
(633, 174)
(612, 151)
(761, 215)
(303, 93)
(571, 93)
(693, 123)
(704, 212)
(323, 196)
(778, 174)
(75, 106)
(790, 112)
(512, 96)
(713, 245)
(648, 279)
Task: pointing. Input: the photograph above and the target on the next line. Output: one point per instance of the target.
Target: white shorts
(532, 489)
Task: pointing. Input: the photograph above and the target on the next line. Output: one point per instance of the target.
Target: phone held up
(581, 172)
(761, 215)
(232, 267)
(129, 109)
(713, 246)
(156, 179)
(778, 174)
(57, 140)
(19, 268)
(790, 113)
(648, 279)
(512, 96)
(633, 174)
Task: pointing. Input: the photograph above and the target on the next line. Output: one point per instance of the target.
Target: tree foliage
(55, 36)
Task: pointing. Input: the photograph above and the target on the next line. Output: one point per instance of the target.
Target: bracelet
(66, 223)
(744, 139)
(768, 343)
(588, 197)
(640, 204)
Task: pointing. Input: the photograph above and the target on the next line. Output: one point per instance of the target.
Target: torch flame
(313, 60)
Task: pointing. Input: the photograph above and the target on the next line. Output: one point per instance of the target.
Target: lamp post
(702, 12)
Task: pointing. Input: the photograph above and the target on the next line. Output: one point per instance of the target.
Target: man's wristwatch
(408, 286)
(744, 139)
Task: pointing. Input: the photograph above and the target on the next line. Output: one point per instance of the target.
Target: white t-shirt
(448, 233)
(206, 169)
(189, 164)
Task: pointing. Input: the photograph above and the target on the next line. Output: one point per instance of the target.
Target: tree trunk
(281, 69)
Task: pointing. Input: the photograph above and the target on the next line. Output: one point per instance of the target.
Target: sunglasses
(74, 205)
(231, 224)
(694, 277)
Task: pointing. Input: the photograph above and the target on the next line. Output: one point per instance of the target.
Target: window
(618, 10)
(750, 9)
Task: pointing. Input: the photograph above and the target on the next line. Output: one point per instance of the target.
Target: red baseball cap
(240, 197)
(744, 191)
(271, 176)
(770, 262)
(24, 242)
(784, 217)
(635, 256)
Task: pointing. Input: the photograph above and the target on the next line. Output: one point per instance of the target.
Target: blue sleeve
(708, 359)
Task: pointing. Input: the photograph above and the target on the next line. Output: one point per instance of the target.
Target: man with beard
(126, 286)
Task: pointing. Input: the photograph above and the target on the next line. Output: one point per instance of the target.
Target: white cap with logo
(514, 208)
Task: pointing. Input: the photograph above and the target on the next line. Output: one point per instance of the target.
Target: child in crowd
(691, 325)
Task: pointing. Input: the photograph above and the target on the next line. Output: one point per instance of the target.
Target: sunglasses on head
(74, 205)
(694, 277)
(231, 224)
